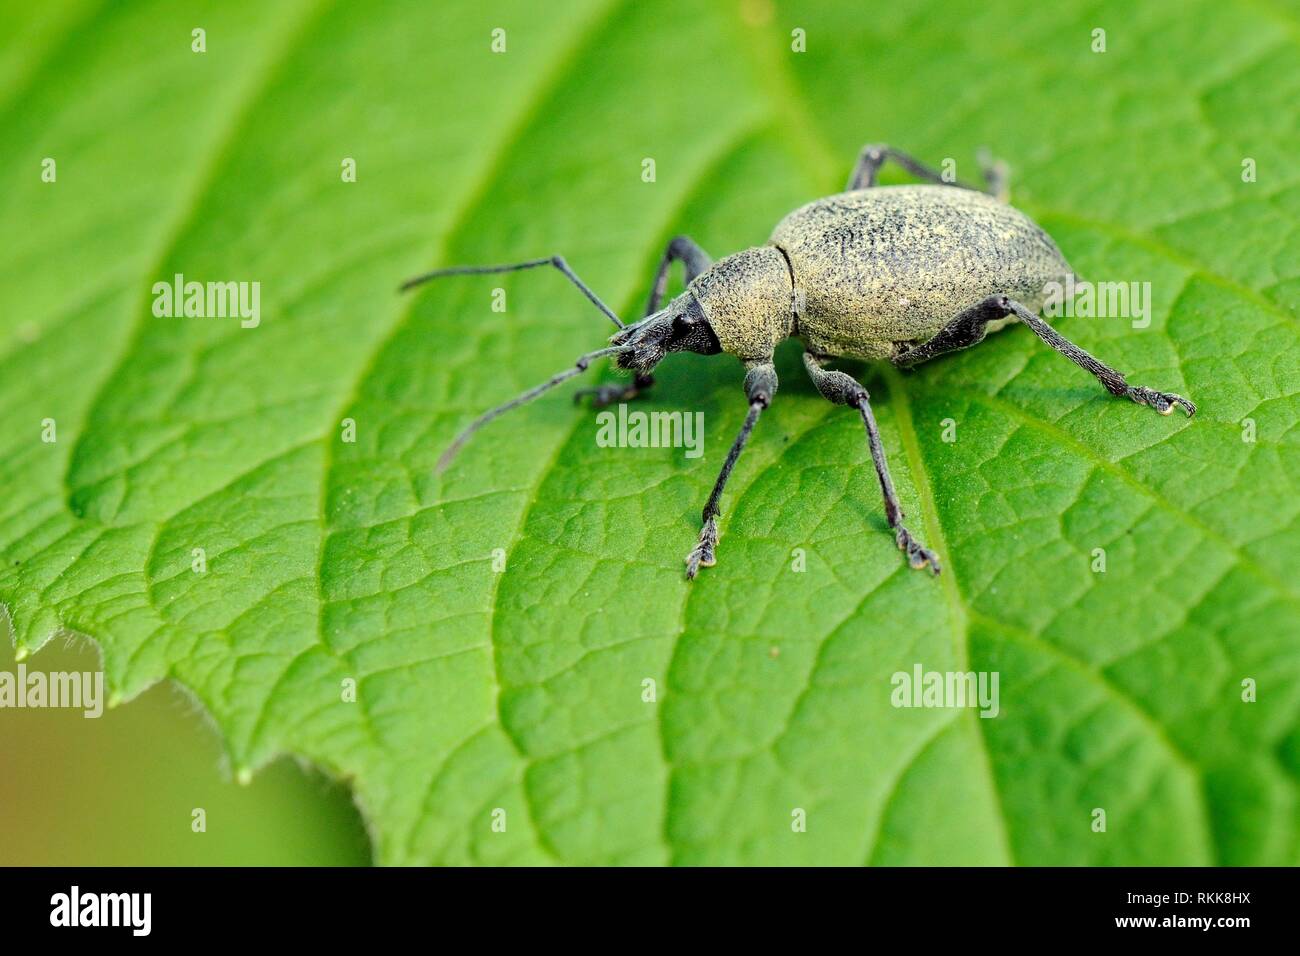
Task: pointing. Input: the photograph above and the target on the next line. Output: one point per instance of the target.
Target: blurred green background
(120, 789)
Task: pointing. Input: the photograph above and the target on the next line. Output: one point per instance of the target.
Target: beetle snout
(646, 328)
(646, 342)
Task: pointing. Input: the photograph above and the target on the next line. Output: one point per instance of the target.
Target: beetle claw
(918, 556)
(1163, 402)
(703, 555)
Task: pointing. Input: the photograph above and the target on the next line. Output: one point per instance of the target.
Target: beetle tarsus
(918, 556)
(1163, 402)
(703, 555)
(612, 392)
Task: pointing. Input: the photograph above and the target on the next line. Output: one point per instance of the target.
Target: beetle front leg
(681, 249)
(612, 392)
(760, 386)
(843, 389)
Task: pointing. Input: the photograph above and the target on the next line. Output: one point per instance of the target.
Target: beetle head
(679, 327)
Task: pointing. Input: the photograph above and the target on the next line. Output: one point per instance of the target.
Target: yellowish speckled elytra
(892, 273)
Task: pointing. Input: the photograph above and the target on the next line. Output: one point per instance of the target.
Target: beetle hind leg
(1112, 380)
(967, 329)
(843, 389)
(970, 327)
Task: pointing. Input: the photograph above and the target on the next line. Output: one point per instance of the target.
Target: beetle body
(897, 273)
(866, 273)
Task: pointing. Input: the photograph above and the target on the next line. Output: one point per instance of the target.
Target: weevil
(900, 274)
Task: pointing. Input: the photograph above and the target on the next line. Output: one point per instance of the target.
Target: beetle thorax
(748, 299)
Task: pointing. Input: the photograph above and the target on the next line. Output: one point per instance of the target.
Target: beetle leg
(970, 327)
(873, 156)
(843, 389)
(967, 329)
(1113, 381)
(681, 249)
(760, 386)
(612, 392)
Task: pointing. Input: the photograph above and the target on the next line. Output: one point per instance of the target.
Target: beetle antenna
(556, 261)
(579, 367)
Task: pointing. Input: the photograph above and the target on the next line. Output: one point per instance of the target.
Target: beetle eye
(688, 318)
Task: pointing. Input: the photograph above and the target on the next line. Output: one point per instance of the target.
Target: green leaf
(522, 691)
